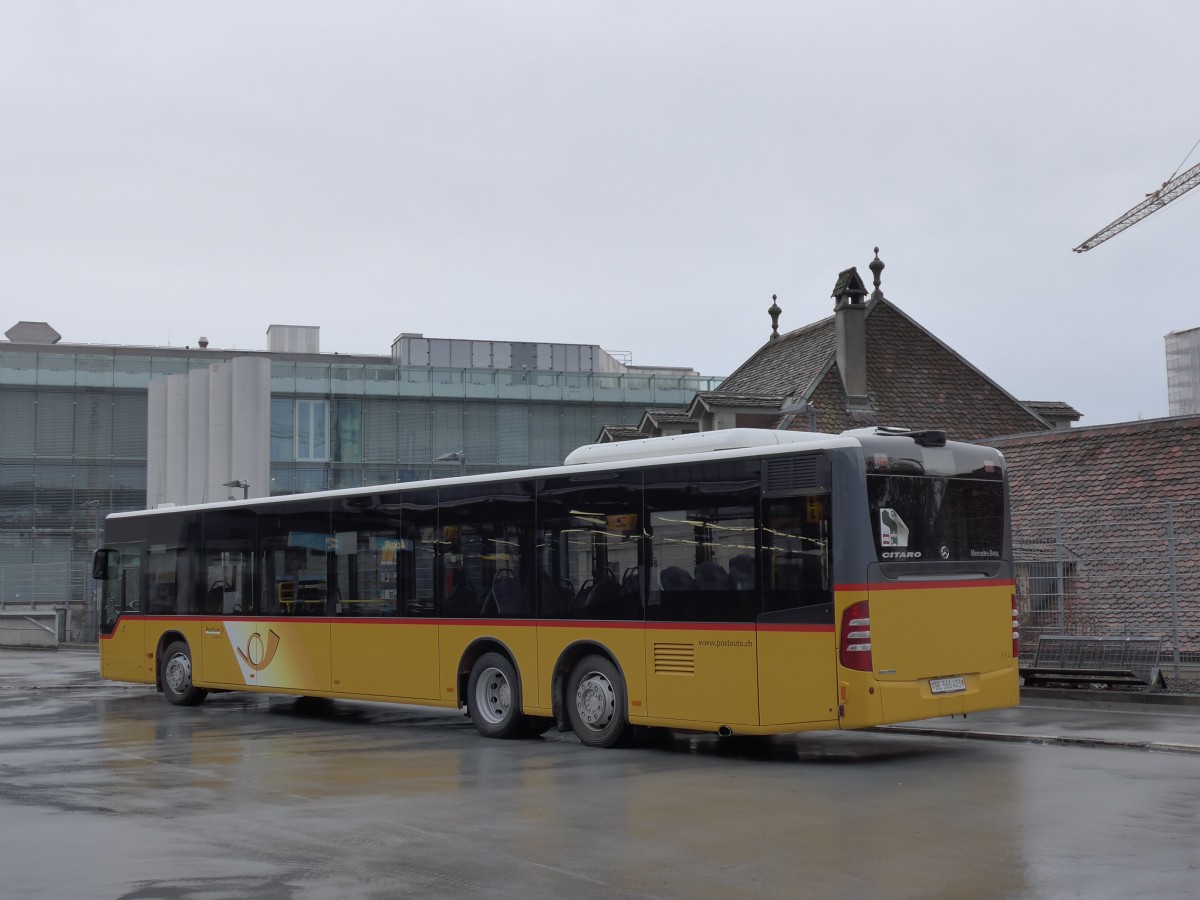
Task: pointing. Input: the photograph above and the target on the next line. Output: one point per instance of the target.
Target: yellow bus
(739, 582)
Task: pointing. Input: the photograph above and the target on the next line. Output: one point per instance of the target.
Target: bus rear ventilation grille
(674, 659)
(790, 474)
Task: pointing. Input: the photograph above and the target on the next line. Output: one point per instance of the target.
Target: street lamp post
(240, 482)
(92, 600)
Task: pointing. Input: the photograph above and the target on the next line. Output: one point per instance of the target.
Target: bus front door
(122, 639)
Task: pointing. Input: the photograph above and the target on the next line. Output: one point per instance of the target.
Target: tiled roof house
(869, 363)
(656, 422)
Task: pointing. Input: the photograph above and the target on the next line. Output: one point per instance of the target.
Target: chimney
(850, 319)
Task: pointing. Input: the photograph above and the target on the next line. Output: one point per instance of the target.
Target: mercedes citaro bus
(739, 582)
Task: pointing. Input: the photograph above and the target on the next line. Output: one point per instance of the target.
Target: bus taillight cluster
(855, 649)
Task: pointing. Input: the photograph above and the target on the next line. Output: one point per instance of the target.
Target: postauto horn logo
(256, 656)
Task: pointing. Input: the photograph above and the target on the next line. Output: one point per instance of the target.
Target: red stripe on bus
(492, 623)
(925, 585)
(700, 626)
(485, 623)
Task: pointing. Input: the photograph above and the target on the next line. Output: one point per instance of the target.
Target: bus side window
(702, 520)
(486, 549)
(228, 563)
(704, 565)
(796, 548)
(161, 580)
(416, 578)
(298, 552)
(589, 556)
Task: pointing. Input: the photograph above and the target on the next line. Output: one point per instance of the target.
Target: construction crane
(1173, 188)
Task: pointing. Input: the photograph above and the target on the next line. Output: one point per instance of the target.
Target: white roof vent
(294, 338)
(700, 442)
(33, 333)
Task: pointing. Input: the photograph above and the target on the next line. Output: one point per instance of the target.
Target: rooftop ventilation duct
(33, 333)
(294, 339)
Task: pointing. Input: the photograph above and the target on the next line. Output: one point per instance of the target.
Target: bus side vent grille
(674, 659)
(791, 473)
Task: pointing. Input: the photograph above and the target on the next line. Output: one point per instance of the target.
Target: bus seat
(631, 594)
(214, 600)
(673, 578)
(550, 604)
(578, 601)
(604, 596)
(462, 601)
(629, 581)
(678, 593)
(631, 589)
(507, 597)
(741, 570)
(711, 576)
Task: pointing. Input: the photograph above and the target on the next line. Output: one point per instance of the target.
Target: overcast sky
(637, 175)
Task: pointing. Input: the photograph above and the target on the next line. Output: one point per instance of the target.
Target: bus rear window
(922, 517)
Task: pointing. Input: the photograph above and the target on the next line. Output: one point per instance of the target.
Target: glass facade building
(1183, 372)
(73, 438)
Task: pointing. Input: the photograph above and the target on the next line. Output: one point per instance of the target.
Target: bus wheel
(177, 676)
(494, 697)
(596, 702)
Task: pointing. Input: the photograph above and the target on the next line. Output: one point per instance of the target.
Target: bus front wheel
(596, 702)
(494, 697)
(177, 676)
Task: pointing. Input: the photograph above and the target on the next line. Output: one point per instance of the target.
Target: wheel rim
(493, 696)
(595, 701)
(178, 673)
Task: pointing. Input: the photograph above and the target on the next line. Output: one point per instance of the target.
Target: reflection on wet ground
(108, 792)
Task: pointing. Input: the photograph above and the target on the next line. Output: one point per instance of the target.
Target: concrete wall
(29, 627)
(207, 427)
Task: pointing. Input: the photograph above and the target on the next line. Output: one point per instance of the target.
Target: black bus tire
(176, 676)
(494, 697)
(596, 703)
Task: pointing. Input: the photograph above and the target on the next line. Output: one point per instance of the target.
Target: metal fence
(1123, 569)
(43, 586)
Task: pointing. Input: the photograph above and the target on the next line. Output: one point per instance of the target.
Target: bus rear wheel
(494, 698)
(596, 702)
(177, 676)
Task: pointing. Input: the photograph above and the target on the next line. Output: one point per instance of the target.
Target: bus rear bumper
(887, 703)
(909, 701)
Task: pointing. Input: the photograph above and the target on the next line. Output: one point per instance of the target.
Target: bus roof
(729, 443)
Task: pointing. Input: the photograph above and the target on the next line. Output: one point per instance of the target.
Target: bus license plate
(947, 685)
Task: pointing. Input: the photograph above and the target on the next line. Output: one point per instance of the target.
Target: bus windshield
(923, 517)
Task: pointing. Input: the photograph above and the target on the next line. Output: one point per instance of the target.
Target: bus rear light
(1016, 628)
(855, 646)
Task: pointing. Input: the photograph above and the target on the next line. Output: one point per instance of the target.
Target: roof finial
(876, 268)
(774, 312)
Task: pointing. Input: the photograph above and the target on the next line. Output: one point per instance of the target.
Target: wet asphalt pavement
(108, 791)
